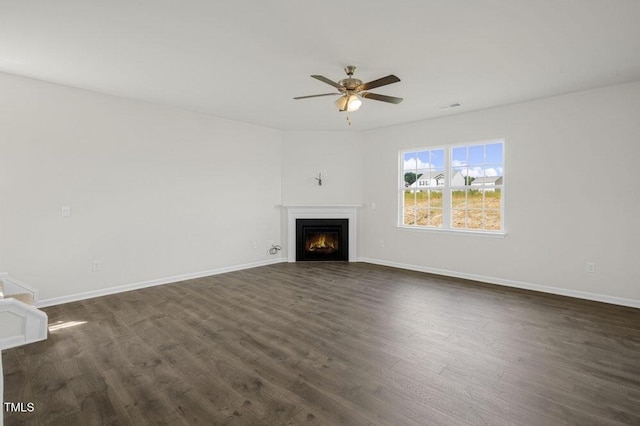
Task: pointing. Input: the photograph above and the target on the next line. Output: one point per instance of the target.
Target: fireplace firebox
(322, 239)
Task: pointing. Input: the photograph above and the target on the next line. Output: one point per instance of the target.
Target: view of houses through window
(454, 187)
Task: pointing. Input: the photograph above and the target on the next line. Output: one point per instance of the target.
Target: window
(423, 184)
(455, 187)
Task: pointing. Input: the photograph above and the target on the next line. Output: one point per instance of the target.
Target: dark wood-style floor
(335, 344)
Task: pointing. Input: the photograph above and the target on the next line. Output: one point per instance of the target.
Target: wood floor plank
(330, 343)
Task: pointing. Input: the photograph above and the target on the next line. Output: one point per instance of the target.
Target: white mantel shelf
(321, 211)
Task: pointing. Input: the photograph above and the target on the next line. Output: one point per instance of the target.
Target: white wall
(305, 154)
(154, 192)
(572, 195)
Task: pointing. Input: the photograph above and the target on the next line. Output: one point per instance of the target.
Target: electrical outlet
(96, 266)
(373, 206)
(382, 243)
(66, 211)
(255, 244)
(590, 267)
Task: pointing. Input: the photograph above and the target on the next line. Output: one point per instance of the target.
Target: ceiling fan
(352, 90)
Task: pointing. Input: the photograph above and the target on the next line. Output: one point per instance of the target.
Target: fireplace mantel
(321, 211)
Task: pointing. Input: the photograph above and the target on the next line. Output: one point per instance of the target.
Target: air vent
(450, 106)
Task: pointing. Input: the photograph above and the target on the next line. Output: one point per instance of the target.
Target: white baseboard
(151, 283)
(509, 283)
(486, 279)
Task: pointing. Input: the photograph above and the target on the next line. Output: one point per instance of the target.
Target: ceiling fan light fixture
(341, 103)
(348, 103)
(353, 103)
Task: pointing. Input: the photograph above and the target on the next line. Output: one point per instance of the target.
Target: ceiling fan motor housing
(350, 83)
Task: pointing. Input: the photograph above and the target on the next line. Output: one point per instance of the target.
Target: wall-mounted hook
(319, 179)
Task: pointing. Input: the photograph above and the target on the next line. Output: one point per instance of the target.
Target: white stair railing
(1, 393)
(20, 324)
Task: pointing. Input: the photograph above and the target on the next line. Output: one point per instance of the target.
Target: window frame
(447, 188)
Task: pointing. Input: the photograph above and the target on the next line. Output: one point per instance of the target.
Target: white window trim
(446, 192)
(454, 231)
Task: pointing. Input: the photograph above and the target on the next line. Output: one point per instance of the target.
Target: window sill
(501, 234)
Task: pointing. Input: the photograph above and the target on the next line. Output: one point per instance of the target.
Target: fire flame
(322, 242)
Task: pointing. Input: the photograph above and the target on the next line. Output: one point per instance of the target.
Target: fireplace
(322, 239)
(348, 212)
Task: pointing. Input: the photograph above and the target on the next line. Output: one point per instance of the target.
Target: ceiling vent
(450, 106)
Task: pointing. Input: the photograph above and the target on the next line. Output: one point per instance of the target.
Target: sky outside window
(424, 160)
(478, 160)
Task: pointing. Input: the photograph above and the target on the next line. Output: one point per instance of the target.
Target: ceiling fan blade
(316, 96)
(379, 82)
(383, 98)
(326, 80)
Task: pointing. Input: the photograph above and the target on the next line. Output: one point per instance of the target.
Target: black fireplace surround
(322, 239)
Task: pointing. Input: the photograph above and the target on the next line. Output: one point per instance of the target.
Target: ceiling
(246, 60)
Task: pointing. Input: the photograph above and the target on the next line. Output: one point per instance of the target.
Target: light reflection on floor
(59, 325)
